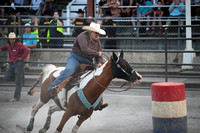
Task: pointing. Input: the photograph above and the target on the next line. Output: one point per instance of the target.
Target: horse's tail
(45, 70)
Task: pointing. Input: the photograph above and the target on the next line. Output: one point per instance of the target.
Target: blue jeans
(73, 65)
(15, 73)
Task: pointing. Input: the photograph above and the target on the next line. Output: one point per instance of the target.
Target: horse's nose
(135, 74)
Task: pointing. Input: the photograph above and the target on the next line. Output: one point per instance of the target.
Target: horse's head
(122, 69)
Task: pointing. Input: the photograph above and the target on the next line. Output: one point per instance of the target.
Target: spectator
(12, 21)
(176, 9)
(134, 10)
(113, 6)
(50, 6)
(34, 22)
(55, 32)
(158, 13)
(144, 12)
(155, 2)
(78, 21)
(2, 9)
(43, 31)
(30, 43)
(115, 11)
(20, 3)
(197, 8)
(166, 9)
(183, 1)
(110, 31)
(101, 11)
(126, 12)
(17, 53)
(36, 10)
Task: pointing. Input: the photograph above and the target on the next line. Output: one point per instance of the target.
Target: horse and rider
(86, 47)
(85, 96)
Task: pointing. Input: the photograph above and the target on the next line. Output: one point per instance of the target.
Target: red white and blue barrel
(169, 112)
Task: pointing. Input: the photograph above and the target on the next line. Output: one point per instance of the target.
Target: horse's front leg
(68, 113)
(35, 109)
(81, 120)
(52, 109)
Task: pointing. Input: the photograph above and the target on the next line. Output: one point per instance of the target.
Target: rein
(131, 85)
(126, 89)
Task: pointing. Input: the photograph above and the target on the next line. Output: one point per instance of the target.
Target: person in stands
(176, 9)
(56, 32)
(157, 14)
(110, 31)
(78, 21)
(13, 22)
(144, 13)
(30, 43)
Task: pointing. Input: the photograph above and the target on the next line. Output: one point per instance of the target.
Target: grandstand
(126, 38)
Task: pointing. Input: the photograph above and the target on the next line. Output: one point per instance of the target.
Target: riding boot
(53, 91)
(101, 106)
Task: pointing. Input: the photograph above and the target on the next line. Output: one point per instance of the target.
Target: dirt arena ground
(128, 112)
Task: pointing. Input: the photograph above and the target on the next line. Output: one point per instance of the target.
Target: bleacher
(68, 11)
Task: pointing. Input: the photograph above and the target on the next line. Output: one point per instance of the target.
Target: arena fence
(172, 40)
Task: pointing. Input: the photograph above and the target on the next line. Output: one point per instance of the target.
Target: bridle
(118, 66)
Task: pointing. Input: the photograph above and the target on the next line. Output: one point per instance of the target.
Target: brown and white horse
(92, 85)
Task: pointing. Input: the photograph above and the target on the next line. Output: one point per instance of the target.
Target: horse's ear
(122, 53)
(114, 56)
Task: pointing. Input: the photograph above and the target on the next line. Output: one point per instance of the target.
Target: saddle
(71, 81)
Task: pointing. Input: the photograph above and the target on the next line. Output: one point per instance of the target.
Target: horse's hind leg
(80, 121)
(52, 109)
(35, 109)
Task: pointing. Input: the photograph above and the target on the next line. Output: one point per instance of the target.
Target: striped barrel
(169, 111)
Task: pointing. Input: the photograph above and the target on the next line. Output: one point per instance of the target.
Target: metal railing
(165, 41)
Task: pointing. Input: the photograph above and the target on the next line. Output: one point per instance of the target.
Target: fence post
(166, 66)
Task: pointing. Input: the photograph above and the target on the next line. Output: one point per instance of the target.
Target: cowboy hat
(80, 11)
(11, 35)
(95, 28)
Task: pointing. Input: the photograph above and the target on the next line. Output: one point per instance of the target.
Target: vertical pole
(187, 57)
(68, 19)
(90, 6)
(166, 65)
(138, 20)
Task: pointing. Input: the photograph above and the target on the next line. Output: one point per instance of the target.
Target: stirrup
(53, 91)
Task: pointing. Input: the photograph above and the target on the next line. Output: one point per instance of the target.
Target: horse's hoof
(75, 129)
(42, 130)
(30, 125)
(47, 124)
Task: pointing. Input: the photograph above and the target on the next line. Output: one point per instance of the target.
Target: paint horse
(84, 97)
